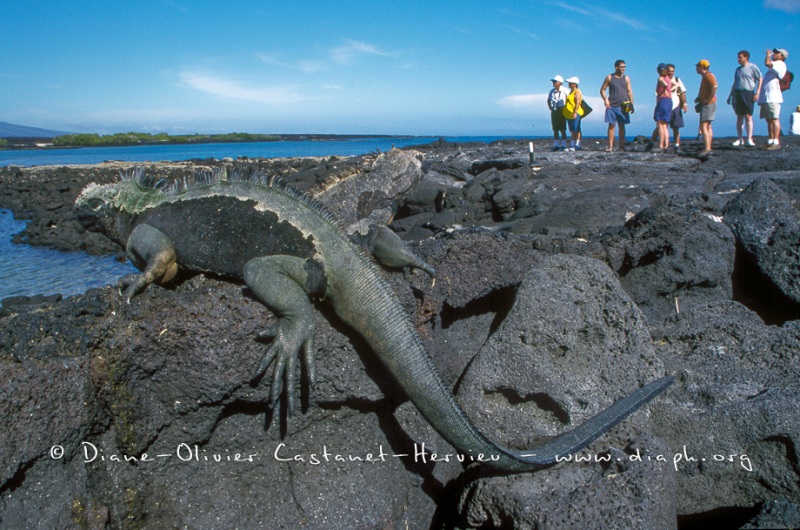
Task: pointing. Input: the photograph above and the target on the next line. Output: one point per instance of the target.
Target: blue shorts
(663, 109)
(615, 115)
(574, 125)
(676, 119)
(742, 102)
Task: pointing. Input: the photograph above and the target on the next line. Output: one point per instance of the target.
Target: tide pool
(27, 270)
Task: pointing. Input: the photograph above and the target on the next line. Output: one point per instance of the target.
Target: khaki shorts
(770, 111)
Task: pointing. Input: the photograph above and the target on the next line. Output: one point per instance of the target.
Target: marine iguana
(286, 248)
(364, 197)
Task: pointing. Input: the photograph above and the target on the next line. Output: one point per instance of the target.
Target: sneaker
(570, 149)
(770, 141)
(677, 149)
(751, 143)
(738, 143)
(704, 153)
(555, 148)
(577, 148)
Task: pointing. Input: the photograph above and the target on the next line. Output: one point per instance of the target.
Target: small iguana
(286, 248)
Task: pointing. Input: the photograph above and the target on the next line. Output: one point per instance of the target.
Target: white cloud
(622, 19)
(789, 6)
(570, 7)
(218, 86)
(353, 48)
(524, 101)
(599, 13)
(539, 101)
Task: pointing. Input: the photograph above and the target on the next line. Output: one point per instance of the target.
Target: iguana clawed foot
(131, 284)
(291, 339)
(281, 283)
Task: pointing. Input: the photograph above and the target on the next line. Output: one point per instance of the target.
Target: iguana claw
(284, 353)
(131, 284)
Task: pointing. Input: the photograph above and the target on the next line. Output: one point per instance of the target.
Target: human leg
(739, 127)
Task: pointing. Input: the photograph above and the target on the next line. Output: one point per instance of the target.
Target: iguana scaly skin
(286, 247)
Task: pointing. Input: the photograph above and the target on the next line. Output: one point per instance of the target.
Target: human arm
(730, 94)
(630, 89)
(578, 100)
(711, 87)
(606, 81)
(661, 86)
(758, 87)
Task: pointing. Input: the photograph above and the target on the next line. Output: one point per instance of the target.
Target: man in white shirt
(555, 102)
(794, 122)
(770, 97)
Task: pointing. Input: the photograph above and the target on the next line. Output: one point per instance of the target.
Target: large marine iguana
(286, 248)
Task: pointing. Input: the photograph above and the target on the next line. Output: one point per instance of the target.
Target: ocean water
(27, 270)
(156, 153)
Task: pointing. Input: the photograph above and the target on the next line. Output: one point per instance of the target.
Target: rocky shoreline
(560, 287)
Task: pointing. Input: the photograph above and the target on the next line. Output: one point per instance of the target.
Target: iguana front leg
(283, 284)
(392, 251)
(152, 253)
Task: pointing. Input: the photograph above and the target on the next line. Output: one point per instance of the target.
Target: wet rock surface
(559, 289)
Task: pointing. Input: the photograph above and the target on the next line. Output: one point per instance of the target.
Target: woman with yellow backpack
(574, 110)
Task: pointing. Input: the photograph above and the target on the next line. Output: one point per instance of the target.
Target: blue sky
(395, 67)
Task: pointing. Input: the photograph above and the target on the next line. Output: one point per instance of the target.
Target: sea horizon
(342, 145)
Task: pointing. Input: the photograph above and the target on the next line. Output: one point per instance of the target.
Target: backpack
(786, 81)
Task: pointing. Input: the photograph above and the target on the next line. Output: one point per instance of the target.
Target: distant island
(138, 138)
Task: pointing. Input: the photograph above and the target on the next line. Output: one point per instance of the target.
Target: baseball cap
(574, 79)
(704, 63)
(782, 51)
(661, 66)
(557, 78)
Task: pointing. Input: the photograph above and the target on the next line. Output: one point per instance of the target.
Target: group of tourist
(567, 107)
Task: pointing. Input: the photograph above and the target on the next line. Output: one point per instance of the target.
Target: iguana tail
(364, 300)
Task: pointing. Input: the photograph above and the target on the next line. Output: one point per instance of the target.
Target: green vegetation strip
(132, 138)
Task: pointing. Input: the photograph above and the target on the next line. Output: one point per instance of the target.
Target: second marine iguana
(286, 248)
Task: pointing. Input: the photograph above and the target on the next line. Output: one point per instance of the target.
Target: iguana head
(99, 208)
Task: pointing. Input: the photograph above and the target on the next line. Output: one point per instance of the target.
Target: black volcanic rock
(555, 294)
(766, 223)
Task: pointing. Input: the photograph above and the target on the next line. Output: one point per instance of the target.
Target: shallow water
(27, 270)
(143, 153)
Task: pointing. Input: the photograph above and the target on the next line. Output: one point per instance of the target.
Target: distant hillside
(10, 130)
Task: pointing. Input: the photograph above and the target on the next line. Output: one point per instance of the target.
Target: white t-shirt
(677, 88)
(557, 98)
(794, 123)
(771, 85)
